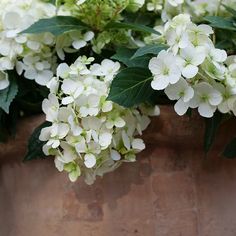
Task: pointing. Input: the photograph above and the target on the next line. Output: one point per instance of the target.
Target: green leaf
(124, 55)
(221, 23)
(56, 25)
(212, 125)
(132, 26)
(149, 49)
(131, 86)
(35, 145)
(230, 149)
(7, 95)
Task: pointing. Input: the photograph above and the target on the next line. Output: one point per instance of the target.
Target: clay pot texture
(173, 189)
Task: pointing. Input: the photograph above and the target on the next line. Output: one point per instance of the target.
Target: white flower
(206, 98)
(177, 40)
(89, 135)
(164, 69)
(199, 35)
(108, 69)
(88, 105)
(35, 69)
(182, 92)
(218, 55)
(72, 88)
(16, 16)
(191, 59)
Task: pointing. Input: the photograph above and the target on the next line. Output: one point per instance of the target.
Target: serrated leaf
(221, 23)
(35, 145)
(131, 87)
(149, 49)
(230, 149)
(132, 26)
(7, 95)
(212, 125)
(124, 55)
(56, 25)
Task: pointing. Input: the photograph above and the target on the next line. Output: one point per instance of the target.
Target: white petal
(11, 20)
(155, 65)
(67, 100)
(63, 130)
(4, 81)
(105, 139)
(88, 36)
(81, 146)
(59, 165)
(206, 110)
(119, 122)
(172, 92)
(138, 144)
(188, 94)
(107, 106)
(159, 83)
(215, 98)
(126, 140)
(189, 71)
(63, 70)
(181, 107)
(218, 55)
(44, 77)
(45, 134)
(89, 160)
(30, 73)
(115, 155)
(79, 44)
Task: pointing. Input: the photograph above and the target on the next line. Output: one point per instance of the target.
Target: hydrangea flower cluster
(16, 16)
(192, 71)
(32, 55)
(89, 135)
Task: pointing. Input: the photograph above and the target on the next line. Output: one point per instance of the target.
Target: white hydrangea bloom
(208, 77)
(165, 70)
(206, 98)
(90, 136)
(33, 55)
(16, 16)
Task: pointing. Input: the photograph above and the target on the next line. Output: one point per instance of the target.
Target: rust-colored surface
(172, 190)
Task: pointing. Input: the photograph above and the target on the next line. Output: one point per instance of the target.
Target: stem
(218, 8)
(216, 14)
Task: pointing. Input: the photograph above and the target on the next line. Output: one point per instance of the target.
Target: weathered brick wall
(172, 190)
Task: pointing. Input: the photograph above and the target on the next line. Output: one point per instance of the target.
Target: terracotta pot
(172, 190)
